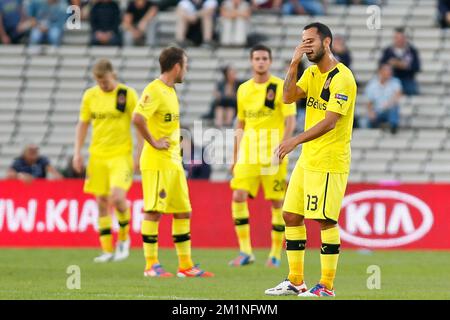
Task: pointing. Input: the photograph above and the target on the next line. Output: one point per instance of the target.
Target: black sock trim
(104, 232)
(241, 221)
(329, 248)
(181, 237)
(150, 238)
(123, 224)
(295, 244)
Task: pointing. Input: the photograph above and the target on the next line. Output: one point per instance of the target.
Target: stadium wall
(58, 214)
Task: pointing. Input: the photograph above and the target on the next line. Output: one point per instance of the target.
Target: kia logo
(384, 218)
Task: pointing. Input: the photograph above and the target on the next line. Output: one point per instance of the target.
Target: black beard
(318, 56)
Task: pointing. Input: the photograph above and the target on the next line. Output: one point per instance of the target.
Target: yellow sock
(277, 233)
(295, 250)
(124, 224)
(149, 230)
(329, 255)
(104, 229)
(181, 233)
(240, 216)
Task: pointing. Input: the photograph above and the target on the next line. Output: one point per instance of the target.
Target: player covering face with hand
(318, 182)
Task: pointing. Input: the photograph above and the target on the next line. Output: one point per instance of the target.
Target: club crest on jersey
(162, 194)
(121, 99)
(270, 94)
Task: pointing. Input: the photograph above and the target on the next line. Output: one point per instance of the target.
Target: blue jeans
(53, 35)
(409, 87)
(391, 116)
(312, 7)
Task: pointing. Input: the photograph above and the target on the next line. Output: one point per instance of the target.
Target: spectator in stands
(309, 7)
(384, 93)
(225, 98)
(14, 22)
(195, 12)
(139, 23)
(404, 59)
(84, 7)
(48, 20)
(194, 164)
(30, 165)
(235, 16)
(105, 23)
(266, 5)
(341, 51)
(358, 2)
(444, 13)
(70, 172)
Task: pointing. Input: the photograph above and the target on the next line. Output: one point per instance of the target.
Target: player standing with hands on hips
(164, 185)
(318, 182)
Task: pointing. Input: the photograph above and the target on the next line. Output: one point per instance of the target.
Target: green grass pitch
(41, 274)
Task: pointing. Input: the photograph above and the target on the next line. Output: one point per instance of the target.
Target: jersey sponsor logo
(171, 117)
(313, 103)
(105, 115)
(384, 218)
(258, 114)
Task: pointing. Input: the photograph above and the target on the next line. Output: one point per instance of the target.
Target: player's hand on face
(300, 50)
(162, 144)
(77, 163)
(285, 147)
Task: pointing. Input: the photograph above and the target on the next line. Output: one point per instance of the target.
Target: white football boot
(122, 250)
(286, 288)
(104, 257)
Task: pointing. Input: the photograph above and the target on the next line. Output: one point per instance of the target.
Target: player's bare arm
(80, 137)
(324, 126)
(139, 146)
(141, 126)
(238, 133)
(289, 127)
(291, 92)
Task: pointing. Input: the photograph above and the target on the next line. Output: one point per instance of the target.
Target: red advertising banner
(59, 214)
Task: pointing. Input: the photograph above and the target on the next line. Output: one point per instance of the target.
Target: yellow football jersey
(110, 116)
(159, 106)
(261, 106)
(333, 91)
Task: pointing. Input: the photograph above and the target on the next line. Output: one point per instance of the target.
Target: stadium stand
(40, 93)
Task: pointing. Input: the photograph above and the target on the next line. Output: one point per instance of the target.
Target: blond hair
(102, 67)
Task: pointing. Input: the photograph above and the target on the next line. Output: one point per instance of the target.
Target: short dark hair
(260, 47)
(322, 30)
(169, 57)
(400, 30)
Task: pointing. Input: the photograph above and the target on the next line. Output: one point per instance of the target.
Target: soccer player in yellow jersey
(318, 182)
(108, 106)
(164, 185)
(265, 121)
